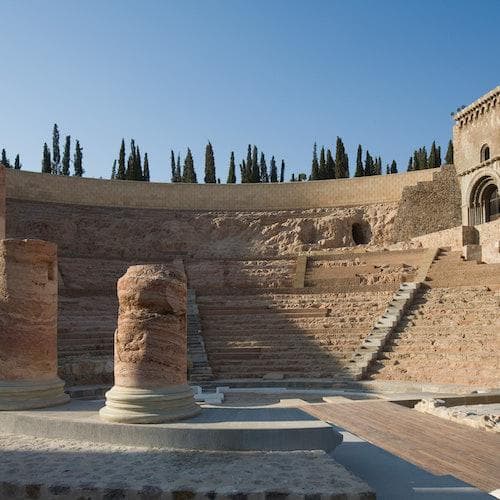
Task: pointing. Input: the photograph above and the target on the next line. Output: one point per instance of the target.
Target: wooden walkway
(432, 443)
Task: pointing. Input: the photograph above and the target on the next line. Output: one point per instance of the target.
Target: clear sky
(280, 74)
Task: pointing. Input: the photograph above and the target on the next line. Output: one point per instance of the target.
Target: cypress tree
(282, 171)
(264, 176)
(274, 171)
(438, 156)
(449, 154)
(360, 171)
(416, 161)
(5, 161)
(138, 174)
(323, 174)
(67, 156)
(341, 161)
(255, 165)
(394, 167)
(231, 175)
(189, 173)
(314, 164)
(423, 158)
(210, 177)
(56, 152)
(248, 165)
(17, 163)
(172, 167)
(369, 165)
(378, 166)
(121, 172)
(433, 162)
(113, 170)
(387, 169)
(145, 174)
(46, 161)
(410, 164)
(178, 176)
(330, 165)
(78, 160)
(292, 178)
(243, 171)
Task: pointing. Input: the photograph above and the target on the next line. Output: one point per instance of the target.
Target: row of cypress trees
(134, 168)
(328, 167)
(6, 162)
(420, 160)
(52, 163)
(252, 169)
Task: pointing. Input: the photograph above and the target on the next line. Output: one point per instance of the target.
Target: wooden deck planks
(430, 442)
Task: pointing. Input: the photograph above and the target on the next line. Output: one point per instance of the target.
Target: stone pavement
(41, 468)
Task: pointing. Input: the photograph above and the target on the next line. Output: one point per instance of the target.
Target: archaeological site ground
(328, 339)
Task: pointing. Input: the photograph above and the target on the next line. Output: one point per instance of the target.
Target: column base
(131, 405)
(29, 394)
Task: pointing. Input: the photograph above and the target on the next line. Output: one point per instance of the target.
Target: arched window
(485, 153)
(484, 204)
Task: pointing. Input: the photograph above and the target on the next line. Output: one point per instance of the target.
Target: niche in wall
(361, 233)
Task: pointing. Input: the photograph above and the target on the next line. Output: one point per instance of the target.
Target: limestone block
(151, 348)
(28, 325)
(472, 252)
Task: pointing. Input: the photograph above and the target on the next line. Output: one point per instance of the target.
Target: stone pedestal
(151, 348)
(28, 325)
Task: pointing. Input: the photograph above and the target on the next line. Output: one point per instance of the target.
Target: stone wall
(2, 202)
(273, 196)
(145, 235)
(429, 206)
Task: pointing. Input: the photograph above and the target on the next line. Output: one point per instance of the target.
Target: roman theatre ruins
(376, 284)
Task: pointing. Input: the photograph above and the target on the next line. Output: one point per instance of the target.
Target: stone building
(476, 141)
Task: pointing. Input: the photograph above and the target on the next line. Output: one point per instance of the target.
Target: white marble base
(30, 394)
(132, 405)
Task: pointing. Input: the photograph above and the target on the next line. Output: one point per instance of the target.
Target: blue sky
(278, 73)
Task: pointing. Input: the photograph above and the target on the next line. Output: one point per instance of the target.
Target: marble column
(28, 325)
(151, 348)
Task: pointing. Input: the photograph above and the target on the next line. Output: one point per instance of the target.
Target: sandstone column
(28, 325)
(151, 348)
(3, 195)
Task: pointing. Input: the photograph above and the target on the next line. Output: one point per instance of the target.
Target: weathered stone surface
(2, 202)
(125, 233)
(28, 325)
(28, 310)
(429, 206)
(151, 347)
(150, 341)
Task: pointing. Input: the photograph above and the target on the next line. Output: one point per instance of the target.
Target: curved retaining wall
(39, 187)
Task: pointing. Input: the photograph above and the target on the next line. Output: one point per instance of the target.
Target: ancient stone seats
(450, 334)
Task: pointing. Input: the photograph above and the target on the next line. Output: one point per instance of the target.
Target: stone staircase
(450, 270)
(292, 335)
(451, 333)
(199, 369)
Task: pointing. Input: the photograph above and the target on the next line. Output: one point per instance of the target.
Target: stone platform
(227, 429)
(66, 470)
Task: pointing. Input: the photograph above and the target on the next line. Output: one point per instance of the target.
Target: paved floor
(437, 445)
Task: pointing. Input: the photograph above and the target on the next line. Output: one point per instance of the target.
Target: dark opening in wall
(361, 233)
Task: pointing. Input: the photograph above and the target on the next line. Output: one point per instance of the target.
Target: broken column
(28, 325)
(151, 348)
